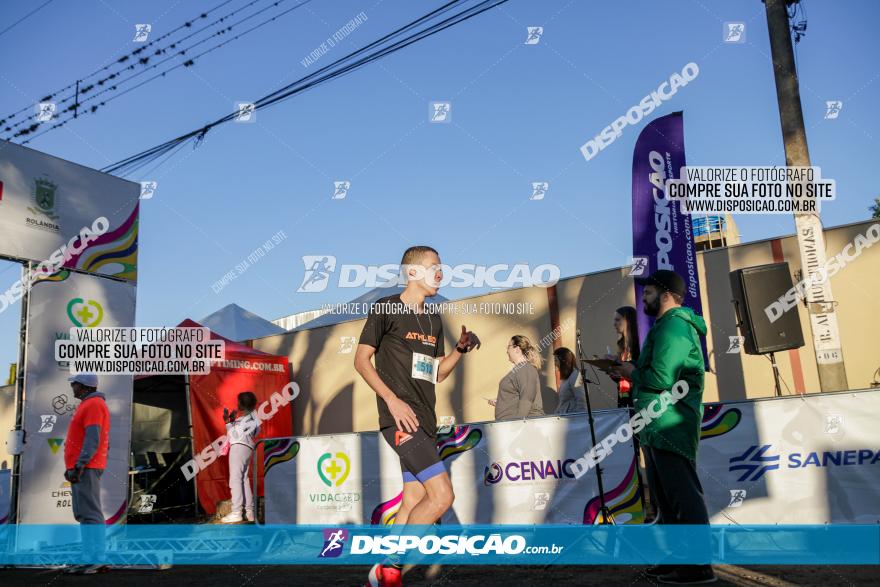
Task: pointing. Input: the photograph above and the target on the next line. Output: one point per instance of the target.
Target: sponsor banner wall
(810, 459)
(45, 202)
(504, 472)
(55, 306)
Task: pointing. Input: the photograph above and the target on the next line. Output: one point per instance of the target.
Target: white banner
(504, 472)
(55, 306)
(811, 459)
(799, 460)
(46, 202)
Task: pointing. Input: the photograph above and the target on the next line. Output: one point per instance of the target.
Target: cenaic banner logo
(84, 313)
(528, 471)
(334, 470)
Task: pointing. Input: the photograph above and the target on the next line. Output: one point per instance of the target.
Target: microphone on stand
(582, 358)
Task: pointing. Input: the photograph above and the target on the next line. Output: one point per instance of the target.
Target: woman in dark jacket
(626, 325)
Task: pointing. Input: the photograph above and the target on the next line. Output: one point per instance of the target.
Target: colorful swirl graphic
(386, 511)
(716, 421)
(278, 451)
(57, 276)
(120, 516)
(459, 439)
(624, 501)
(113, 253)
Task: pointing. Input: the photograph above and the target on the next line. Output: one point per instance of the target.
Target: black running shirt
(409, 347)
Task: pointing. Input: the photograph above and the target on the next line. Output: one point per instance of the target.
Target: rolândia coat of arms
(44, 199)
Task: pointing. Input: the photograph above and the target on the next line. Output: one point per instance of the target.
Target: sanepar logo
(756, 461)
(839, 458)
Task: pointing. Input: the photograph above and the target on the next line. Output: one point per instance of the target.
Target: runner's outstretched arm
(467, 341)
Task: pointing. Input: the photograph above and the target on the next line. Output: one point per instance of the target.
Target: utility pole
(810, 236)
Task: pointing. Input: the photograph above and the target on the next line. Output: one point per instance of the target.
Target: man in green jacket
(672, 353)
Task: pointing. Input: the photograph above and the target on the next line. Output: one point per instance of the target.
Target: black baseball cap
(666, 280)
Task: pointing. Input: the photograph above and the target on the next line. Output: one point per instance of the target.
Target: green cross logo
(334, 470)
(84, 316)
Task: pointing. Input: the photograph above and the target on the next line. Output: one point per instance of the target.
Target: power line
(135, 162)
(25, 17)
(181, 53)
(124, 58)
(136, 53)
(142, 59)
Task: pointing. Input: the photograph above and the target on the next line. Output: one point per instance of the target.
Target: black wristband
(460, 350)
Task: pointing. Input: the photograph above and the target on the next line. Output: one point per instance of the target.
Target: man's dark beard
(652, 308)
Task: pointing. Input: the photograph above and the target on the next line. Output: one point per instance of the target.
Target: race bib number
(424, 367)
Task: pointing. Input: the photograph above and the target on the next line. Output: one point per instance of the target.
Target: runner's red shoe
(391, 577)
(374, 578)
(382, 576)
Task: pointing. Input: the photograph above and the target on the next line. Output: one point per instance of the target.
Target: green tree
(875, 208)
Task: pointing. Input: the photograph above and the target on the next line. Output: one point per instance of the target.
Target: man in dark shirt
(407, 343)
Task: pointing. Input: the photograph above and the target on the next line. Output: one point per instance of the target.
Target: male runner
(408, 345)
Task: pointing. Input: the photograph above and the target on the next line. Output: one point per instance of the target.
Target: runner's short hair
(414, 255)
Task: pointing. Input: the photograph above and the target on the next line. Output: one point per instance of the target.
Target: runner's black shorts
(419, 460)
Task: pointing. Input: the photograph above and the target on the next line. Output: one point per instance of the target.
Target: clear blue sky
(520, 113)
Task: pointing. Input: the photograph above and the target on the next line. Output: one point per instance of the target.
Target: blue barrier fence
(520, 545)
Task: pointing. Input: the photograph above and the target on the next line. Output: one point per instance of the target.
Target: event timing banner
(808, 459)
(242, 369)
(502, 473)
(55, 306)
(62, 214)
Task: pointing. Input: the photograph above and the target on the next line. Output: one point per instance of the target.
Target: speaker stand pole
(775, 374)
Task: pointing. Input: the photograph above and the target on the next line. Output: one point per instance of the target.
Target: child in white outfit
(240, 432)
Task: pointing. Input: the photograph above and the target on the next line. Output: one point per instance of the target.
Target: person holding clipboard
(625, 323)
(671, 355)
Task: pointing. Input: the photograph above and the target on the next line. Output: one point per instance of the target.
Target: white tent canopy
(236, 323)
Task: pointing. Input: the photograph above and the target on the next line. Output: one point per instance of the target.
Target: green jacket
(671, 353)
